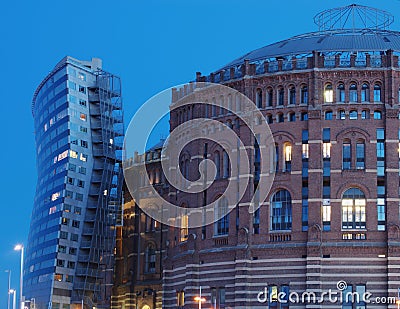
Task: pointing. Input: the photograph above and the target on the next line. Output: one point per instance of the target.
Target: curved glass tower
(78, 119)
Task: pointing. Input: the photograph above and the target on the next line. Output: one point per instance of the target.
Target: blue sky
(151, 44)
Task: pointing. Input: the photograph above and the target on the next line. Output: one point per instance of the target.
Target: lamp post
(200, 299)
(20, 247)
(14, 292)
(9, 288)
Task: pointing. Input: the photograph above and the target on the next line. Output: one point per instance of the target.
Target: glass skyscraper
(78, 120)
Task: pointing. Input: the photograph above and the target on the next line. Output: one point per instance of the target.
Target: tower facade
(78, 120)
(331, 219)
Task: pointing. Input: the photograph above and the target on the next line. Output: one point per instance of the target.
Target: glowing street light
(200, 299)
(20, 247)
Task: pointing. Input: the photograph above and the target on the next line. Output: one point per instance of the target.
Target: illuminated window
(180, 298)
(365, 93)
(287, 153)
(353, 209)
(73, 154)
(305, 151)
(55, 196)
(82, 76)
(281, 211)
(52, 210)
(184, 231)
(326, 216)
(326, 150)
(328, 94)
(340, 93)
(83, 157)
(353, 93)
(58, 277)
(341, 115)
(82, 116)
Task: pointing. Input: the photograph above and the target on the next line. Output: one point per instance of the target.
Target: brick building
(331, 219)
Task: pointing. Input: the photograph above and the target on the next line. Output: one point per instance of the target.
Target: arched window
(353, 115)
(346, 155)
(150, 259)
(341, 114)
(213, 108)
(365, 93)
(304, 95)
(360, 155)
(280, 117)
(353, 93)
(270, 119)
(365, 114)
(217, 162)
(230, 103)
(281, 211)
(225, 165)
(328, 115)
(292, 95)
(377, 115)
(259, 102)
(206, 110)
(341, 97)
(304, 116)
(328, 93)
(377, 93)
(270, 97)
(291, 117)
(281, 95)
(237, 103)
(184, 226)
(353, 209)
(287, 154)
(221, 213)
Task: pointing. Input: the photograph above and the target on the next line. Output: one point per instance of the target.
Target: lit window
(326, 150)
(328, 94)
(305, 153)
(53, 209)
(63, 155)
(58, 277)
(82, 116)
(341, 115)
(83, 157)
(281, 211)
(73, 154)
(184, 231)
(180, 298)
(287, 152)
(326, 216)
(353, 209)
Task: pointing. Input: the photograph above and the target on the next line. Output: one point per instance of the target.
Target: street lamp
(20, 247)
(14, 292)
(200, 299)
(9, 288)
